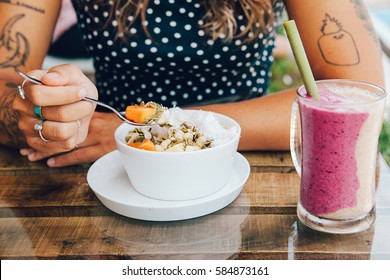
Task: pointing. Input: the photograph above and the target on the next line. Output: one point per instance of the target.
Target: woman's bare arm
(339, 39)
(340, 42)
(26, 29)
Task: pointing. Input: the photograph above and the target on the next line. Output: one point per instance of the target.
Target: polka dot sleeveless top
(178, 64)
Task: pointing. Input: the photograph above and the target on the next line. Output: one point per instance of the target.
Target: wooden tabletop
(52, 213)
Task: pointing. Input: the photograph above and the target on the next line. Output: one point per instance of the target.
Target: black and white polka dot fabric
(178, 64)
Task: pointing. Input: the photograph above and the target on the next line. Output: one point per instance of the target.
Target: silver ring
(78, 123)
(38, 128)
(21, 90)
(38, 113)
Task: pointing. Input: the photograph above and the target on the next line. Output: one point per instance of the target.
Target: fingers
(57, 102)
(86, 152)
(69, 75)
(43, 95)
(51, 147)
(63, 113)
(62, 75)
(99, 142)
(53, 130)
(59, 131)
(77, 156)
(33, 155)
(69, 112)
(61, 136)
(26, 151)
(63, 84)
(62, 126)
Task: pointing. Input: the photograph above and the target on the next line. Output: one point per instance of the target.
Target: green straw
(301, 58)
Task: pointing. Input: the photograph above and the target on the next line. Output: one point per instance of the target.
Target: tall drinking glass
(334, 148)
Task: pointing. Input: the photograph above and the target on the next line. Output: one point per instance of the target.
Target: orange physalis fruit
(146, 144)
(139, 113)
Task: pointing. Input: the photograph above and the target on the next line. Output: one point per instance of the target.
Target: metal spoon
(121, 115)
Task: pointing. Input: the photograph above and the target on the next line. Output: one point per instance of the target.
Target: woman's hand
(100, 141)
(66, 116)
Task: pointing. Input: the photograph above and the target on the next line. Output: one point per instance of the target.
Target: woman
(210, 55)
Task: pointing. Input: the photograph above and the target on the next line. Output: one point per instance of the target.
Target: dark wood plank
(40, 195)
(213, 236)
(13, 164)
(270, 161)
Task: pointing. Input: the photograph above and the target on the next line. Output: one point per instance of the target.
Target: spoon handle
(97, 102)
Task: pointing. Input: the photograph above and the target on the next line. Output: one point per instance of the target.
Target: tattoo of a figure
(334, 39)
(9, 119)
(13, 44)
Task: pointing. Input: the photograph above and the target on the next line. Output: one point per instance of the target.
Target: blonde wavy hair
(219, 20)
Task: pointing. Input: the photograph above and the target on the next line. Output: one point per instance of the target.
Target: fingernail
(24, 152)
(31, 157)
(82, 93)
(52, 75)
(51, 162)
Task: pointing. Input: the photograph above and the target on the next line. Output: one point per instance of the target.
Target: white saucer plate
(109, 181)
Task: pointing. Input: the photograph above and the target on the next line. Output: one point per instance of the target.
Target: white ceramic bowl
(179, 175)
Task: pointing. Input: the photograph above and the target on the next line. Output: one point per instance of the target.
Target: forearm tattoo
(363, 15)
(15, 49)
(10, 134)
(335, 38)
(24, 5)
(13, 44)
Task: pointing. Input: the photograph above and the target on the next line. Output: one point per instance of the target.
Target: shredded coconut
(205, 123)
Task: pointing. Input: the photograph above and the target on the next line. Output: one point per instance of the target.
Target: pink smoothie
(329, 168)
